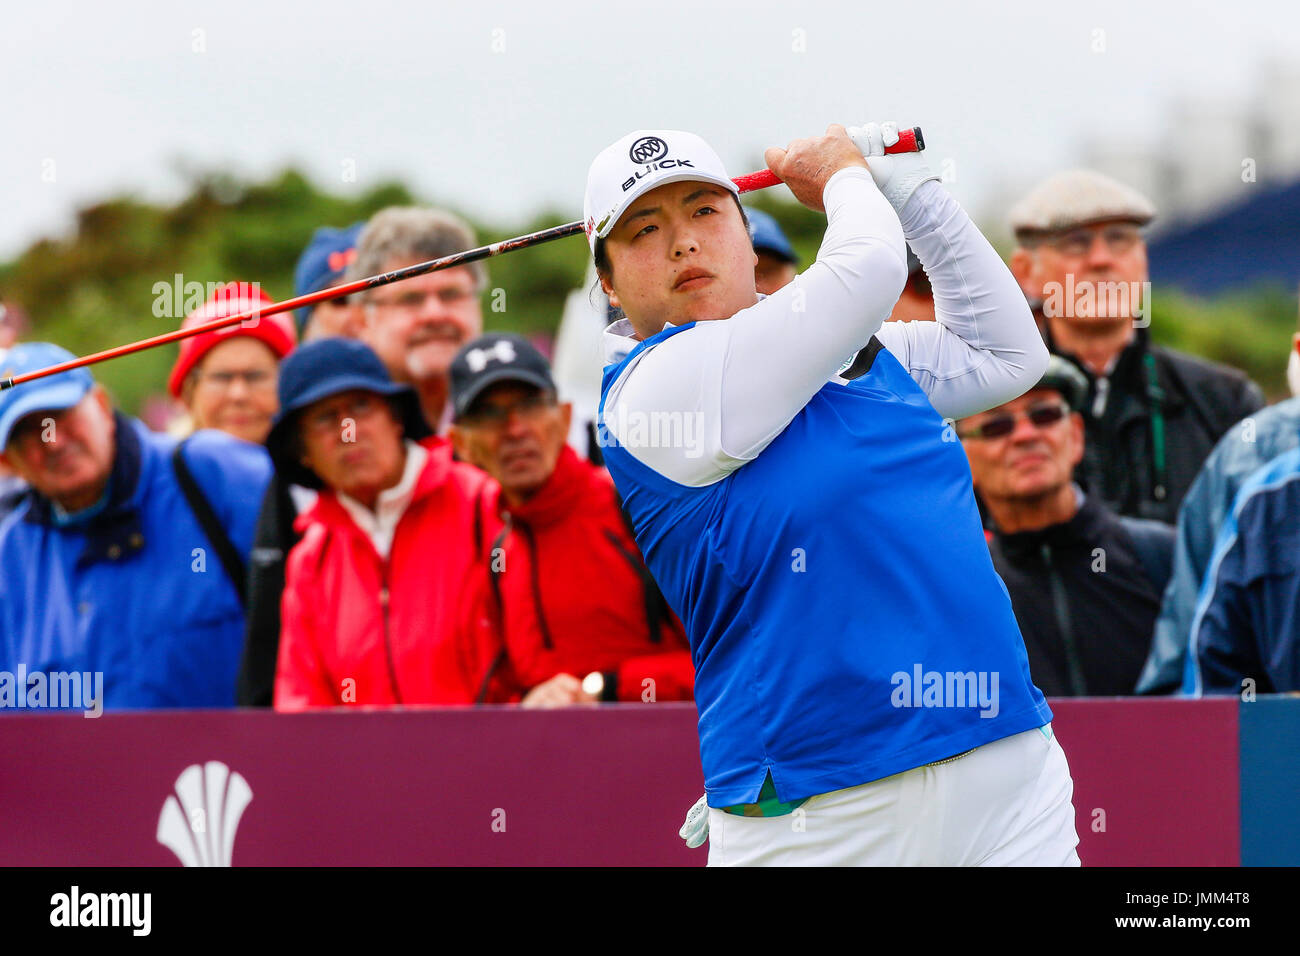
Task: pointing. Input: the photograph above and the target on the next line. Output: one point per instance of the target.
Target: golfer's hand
(696, 828)
(897, 176)
(807, 164)
(562, 690)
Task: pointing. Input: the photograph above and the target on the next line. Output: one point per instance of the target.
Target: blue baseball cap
(323, 368)
(52, 393)
(323, 262)
(767, 235)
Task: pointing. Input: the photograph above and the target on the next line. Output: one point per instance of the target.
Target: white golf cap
(639, 162)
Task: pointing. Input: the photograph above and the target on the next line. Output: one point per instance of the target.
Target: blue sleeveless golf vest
(845, 619)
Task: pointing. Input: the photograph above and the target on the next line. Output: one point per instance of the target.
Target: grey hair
(412, 234)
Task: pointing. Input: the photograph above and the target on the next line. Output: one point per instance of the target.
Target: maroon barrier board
(500, 786)
(1161, 775)
(457, 786)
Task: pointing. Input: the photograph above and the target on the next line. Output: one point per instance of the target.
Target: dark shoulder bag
(211, 525)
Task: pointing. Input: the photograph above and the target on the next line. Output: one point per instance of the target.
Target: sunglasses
(1000, 426)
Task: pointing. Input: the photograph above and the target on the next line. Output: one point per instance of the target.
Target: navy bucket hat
(320, 370)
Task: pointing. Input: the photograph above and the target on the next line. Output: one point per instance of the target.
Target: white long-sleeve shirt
(732, 386)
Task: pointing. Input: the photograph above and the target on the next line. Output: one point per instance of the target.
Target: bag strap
(211, 525)
(656, 605)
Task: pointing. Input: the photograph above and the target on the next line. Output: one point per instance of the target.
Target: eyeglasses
(1000, 426)
(415, 299)
(331, 417)
(254, 379)
(494, 417)
(1119, 238)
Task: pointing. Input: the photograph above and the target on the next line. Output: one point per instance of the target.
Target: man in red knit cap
(226, 378)
(602, 630)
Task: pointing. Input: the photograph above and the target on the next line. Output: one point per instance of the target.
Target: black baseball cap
(493, 358)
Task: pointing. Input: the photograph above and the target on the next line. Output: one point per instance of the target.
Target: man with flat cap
(1152, 414)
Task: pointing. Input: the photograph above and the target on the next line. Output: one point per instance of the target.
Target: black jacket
(1086, 594)
(272, 542)
(1198, 402)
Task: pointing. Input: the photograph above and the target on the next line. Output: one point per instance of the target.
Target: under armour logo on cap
(503, 351)
(493, 359)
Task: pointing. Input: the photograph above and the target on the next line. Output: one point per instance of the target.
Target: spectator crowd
(374, 503)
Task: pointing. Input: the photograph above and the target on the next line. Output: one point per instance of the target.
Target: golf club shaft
(910, 140)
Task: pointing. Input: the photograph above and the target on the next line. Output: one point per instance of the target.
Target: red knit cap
(276, 331)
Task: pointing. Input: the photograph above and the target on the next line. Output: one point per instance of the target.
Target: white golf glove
(896, 176)
(695, 831)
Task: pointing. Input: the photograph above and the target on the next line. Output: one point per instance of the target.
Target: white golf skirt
(1007, 803)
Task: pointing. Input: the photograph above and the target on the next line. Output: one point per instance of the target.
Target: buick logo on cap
(647, 149)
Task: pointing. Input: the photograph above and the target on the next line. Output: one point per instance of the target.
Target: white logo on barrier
(199, 827)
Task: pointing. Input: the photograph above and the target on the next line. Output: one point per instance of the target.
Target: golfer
(795, 485)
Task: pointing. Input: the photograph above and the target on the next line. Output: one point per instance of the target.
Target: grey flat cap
(1077, 197)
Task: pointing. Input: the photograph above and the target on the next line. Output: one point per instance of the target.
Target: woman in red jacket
(385, 596)
(584, 620)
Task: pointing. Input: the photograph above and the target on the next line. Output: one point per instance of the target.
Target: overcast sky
(497, 108)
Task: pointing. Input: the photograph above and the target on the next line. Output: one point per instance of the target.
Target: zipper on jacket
(388, 643)
(498, 609)
(1078, 685)
(527, 532)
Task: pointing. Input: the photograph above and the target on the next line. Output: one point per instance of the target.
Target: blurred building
(1248, 241)
(1213, 152)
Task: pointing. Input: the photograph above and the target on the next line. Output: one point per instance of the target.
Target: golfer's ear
(607, 287)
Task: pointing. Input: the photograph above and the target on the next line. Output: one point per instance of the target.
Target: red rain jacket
(359, 629)
(577, 597)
